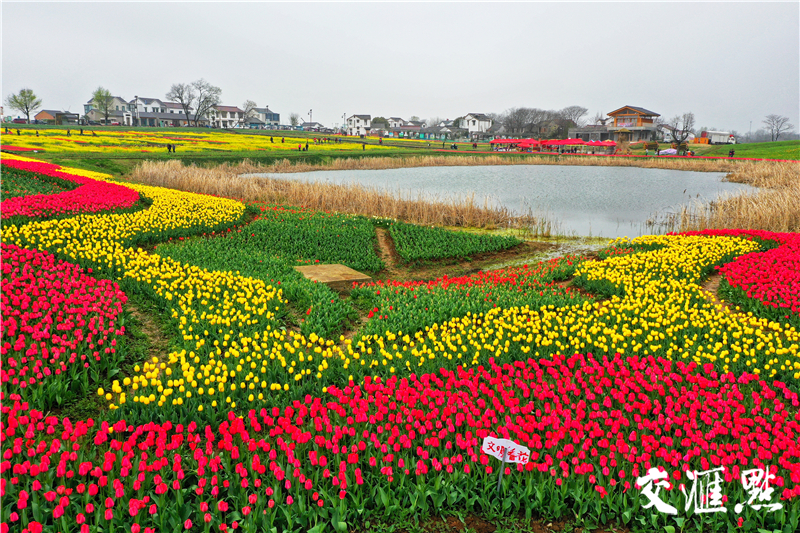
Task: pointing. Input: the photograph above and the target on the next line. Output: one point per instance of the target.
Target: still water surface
(583, 200)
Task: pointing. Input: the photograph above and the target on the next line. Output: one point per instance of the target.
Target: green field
(770, 150)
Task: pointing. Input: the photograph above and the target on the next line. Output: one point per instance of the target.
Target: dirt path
(710, 287)
(388, 253)
(157, 342)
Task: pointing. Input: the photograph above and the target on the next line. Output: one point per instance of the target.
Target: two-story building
(118, 111)
(225, 116)
(477, 124)
(359, 124)
(268, 117)
(634, 123)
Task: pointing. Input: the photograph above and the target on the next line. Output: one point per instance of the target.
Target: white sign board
(514, 453)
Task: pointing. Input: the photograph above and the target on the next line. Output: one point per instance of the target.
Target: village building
(312, 126)
(359, 124)
(633, 123)
(268, 117)
(477, 124)
(55, 117)
(118, 113)
(225, 116)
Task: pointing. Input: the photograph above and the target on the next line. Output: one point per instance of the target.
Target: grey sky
(729, 63)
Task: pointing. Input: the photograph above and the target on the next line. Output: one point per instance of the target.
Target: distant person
(169, 148)
(81, 131)
(270, 139)
(37, 133)
(68, 133)
(646, 152)
(306, 146)
(283, 139)
(18, 133)
(363, 147)
(299, 147)
(731, 153)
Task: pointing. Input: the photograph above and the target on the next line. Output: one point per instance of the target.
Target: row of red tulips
(59, 329)
(593, 425)
(91, 196)
(767, 283)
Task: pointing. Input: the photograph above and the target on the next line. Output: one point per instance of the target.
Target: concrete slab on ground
(337, 277)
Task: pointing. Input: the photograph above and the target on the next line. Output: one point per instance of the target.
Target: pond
(583, 200)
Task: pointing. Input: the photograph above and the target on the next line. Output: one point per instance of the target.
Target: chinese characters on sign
(706, 495)
(514, 453)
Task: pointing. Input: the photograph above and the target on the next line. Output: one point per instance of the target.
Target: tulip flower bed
(766, 283)
(412, 305)
(420, 243)
(249, 424)
(313, 237)
(92, 195)
(322, 311)
(20, 183)
(403, 446)
(60, 328)
(109, 141)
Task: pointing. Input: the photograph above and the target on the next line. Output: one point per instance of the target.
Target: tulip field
(281, 405)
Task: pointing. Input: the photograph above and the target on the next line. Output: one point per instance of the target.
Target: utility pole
(310, 115)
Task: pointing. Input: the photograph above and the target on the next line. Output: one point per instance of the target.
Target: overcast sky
(728, 63)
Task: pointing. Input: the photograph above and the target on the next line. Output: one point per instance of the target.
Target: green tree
(25, 101)
(102, 102)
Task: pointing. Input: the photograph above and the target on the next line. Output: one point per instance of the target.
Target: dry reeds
(774, 207)
(381, 163)
(419, 208)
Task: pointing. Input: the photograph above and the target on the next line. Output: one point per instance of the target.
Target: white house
(397, 122)
(476, 123)
(359, 124)
(175, 107)
(146, 105)
(225, 116)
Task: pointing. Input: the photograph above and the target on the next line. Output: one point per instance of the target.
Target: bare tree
(249, 108)
(599, 118)
(682, 126)
(575, 113)
(517, 119)
(433, 121)
(102, 101)
(184, 95)
(776, 125)
(25, 102)
(539, 117)
(294, 119)
(207, 97)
